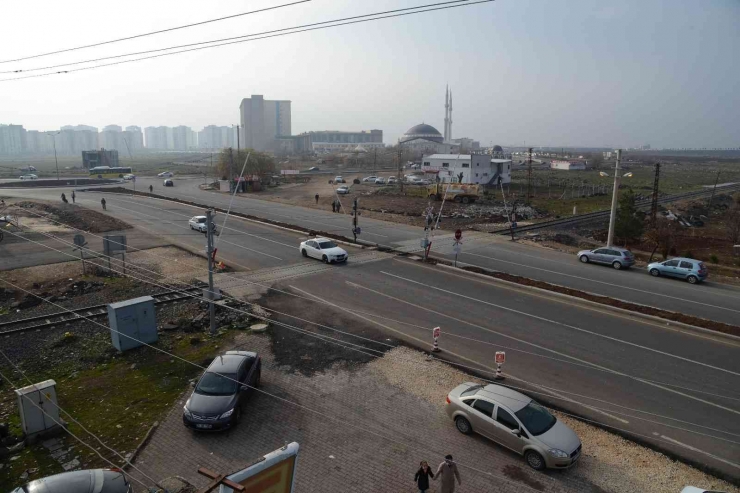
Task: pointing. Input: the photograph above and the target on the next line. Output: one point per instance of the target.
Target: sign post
(435, 335)
(500, 360)
(80, 244)
(457, 246)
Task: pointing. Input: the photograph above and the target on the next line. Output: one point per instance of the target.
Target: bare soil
(73, 215)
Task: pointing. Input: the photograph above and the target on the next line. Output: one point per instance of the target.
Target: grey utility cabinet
(37, 404)
(132, 322)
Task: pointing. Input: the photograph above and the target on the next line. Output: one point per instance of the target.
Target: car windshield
(327, 244)
(536, 418)
(217, 384)
(471, 390)
(201, 219)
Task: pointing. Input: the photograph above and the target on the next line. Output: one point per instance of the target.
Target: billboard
(273, 473)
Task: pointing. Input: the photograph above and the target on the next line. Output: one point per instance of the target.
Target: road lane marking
(503, 284)
(562, 324)
(490, 370)
(616, 372)
(681, 444)
(608, 283)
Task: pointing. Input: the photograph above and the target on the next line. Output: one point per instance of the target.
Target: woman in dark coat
(423, 475)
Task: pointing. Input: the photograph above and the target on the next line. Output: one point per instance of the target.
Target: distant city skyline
(551, 73)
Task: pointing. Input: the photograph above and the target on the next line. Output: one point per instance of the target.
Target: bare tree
(733, 221)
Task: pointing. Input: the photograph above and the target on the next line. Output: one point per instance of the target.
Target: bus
(108, 172)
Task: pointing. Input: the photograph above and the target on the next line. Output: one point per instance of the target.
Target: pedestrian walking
(334, 206)
(102, 202)
(448, 472)
(339, 206)
(317, 198)
(422, 476)
(64, 198)
(151, 188)
(73, 196)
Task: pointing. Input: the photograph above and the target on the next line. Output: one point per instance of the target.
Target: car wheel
(325, 259)
(654, 272)
(465, 200)
(534, 460)
(617, 265)
(191, 227)
(457, 199)
(584, 259)
(463, 425)
(303, 252)
(258, 380)
(692, 279)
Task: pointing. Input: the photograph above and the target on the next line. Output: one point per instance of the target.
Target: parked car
(343, 190)
(199, 223)
(683, 268)
(619, 258)
(165, 174)
(129, 177)
(219, 396)
(29, 177)
(314, 168)
(168, 183)
(87, 480)
(369, 179)
(515, 421)
(380, 181)
(323, 249)
(392, 180)
(339, 179)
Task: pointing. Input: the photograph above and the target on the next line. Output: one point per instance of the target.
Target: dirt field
(73, 215)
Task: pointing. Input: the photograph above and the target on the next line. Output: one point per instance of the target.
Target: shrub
(356, 181)
(688, 254)
(714, 259)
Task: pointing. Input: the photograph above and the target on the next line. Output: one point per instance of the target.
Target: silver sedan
(515, 421)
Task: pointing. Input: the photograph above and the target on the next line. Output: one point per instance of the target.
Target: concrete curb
(596, 304)
(141, 446)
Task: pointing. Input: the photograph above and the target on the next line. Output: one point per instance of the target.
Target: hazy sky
(548, 72)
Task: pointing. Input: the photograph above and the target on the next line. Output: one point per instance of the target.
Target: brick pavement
(335, 457)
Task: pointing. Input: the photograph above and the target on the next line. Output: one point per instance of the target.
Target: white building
(134, 138)
(480, 169)
(568, 165)
(263, 122)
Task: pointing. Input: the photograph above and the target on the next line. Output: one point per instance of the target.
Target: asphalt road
(669, 387)
(710, 300)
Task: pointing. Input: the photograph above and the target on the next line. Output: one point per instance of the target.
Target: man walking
(448, 472)
(102, 202)
(317, 198)
(73, 196)
(64, 198)
(334, 206)
(151, 188)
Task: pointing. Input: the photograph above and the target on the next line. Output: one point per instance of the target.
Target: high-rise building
(263, 122)
(38, 142)
(12, 139)
(218, 137)
(134, 138)
(158, 138)
(182, 138)
(111, 138)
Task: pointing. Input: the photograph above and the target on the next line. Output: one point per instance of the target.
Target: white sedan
(165, 174)
(323, 249)
(198, 223)
(29, 177)
(129, 177)
(343, 190)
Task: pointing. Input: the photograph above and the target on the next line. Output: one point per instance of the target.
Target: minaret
(449, 121)
(447, 112)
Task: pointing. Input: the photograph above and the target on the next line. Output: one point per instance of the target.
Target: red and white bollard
(435, 335)
(500, 360)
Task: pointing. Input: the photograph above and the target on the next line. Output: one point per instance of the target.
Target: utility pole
(654, 202)
(529, 176)
(231, 166)
(615, 193)
(400, 181)
(209, 251)
(54, 140)
(711, 198)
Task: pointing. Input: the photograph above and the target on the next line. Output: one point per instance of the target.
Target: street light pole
(54, 140)
(615, 194)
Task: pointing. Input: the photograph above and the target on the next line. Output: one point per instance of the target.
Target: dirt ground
(70, 214)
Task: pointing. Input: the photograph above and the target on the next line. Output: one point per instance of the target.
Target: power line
(282, 399)
(247, 40)
(100, 441)
(231, 38)
(355, 311)
(152, 33)
(363, 349)
(68, 431)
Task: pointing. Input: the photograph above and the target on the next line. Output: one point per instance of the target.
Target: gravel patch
(609, 461)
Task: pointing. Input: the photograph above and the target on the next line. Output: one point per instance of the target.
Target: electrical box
(132, 323)
(38, 407)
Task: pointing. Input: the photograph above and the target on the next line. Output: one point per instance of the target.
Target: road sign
(435, 332)
(457, 248)
(113, 244)
(500, 357)
(80, 240)
(458, 234)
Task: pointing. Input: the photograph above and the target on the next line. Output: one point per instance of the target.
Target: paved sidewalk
(400, 430)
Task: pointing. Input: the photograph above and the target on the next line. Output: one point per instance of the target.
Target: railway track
(51, 320)
(591, 216)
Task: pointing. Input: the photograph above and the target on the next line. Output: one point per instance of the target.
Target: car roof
(320, 238)
(199, 217)
(230, 361)
(503, 395)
